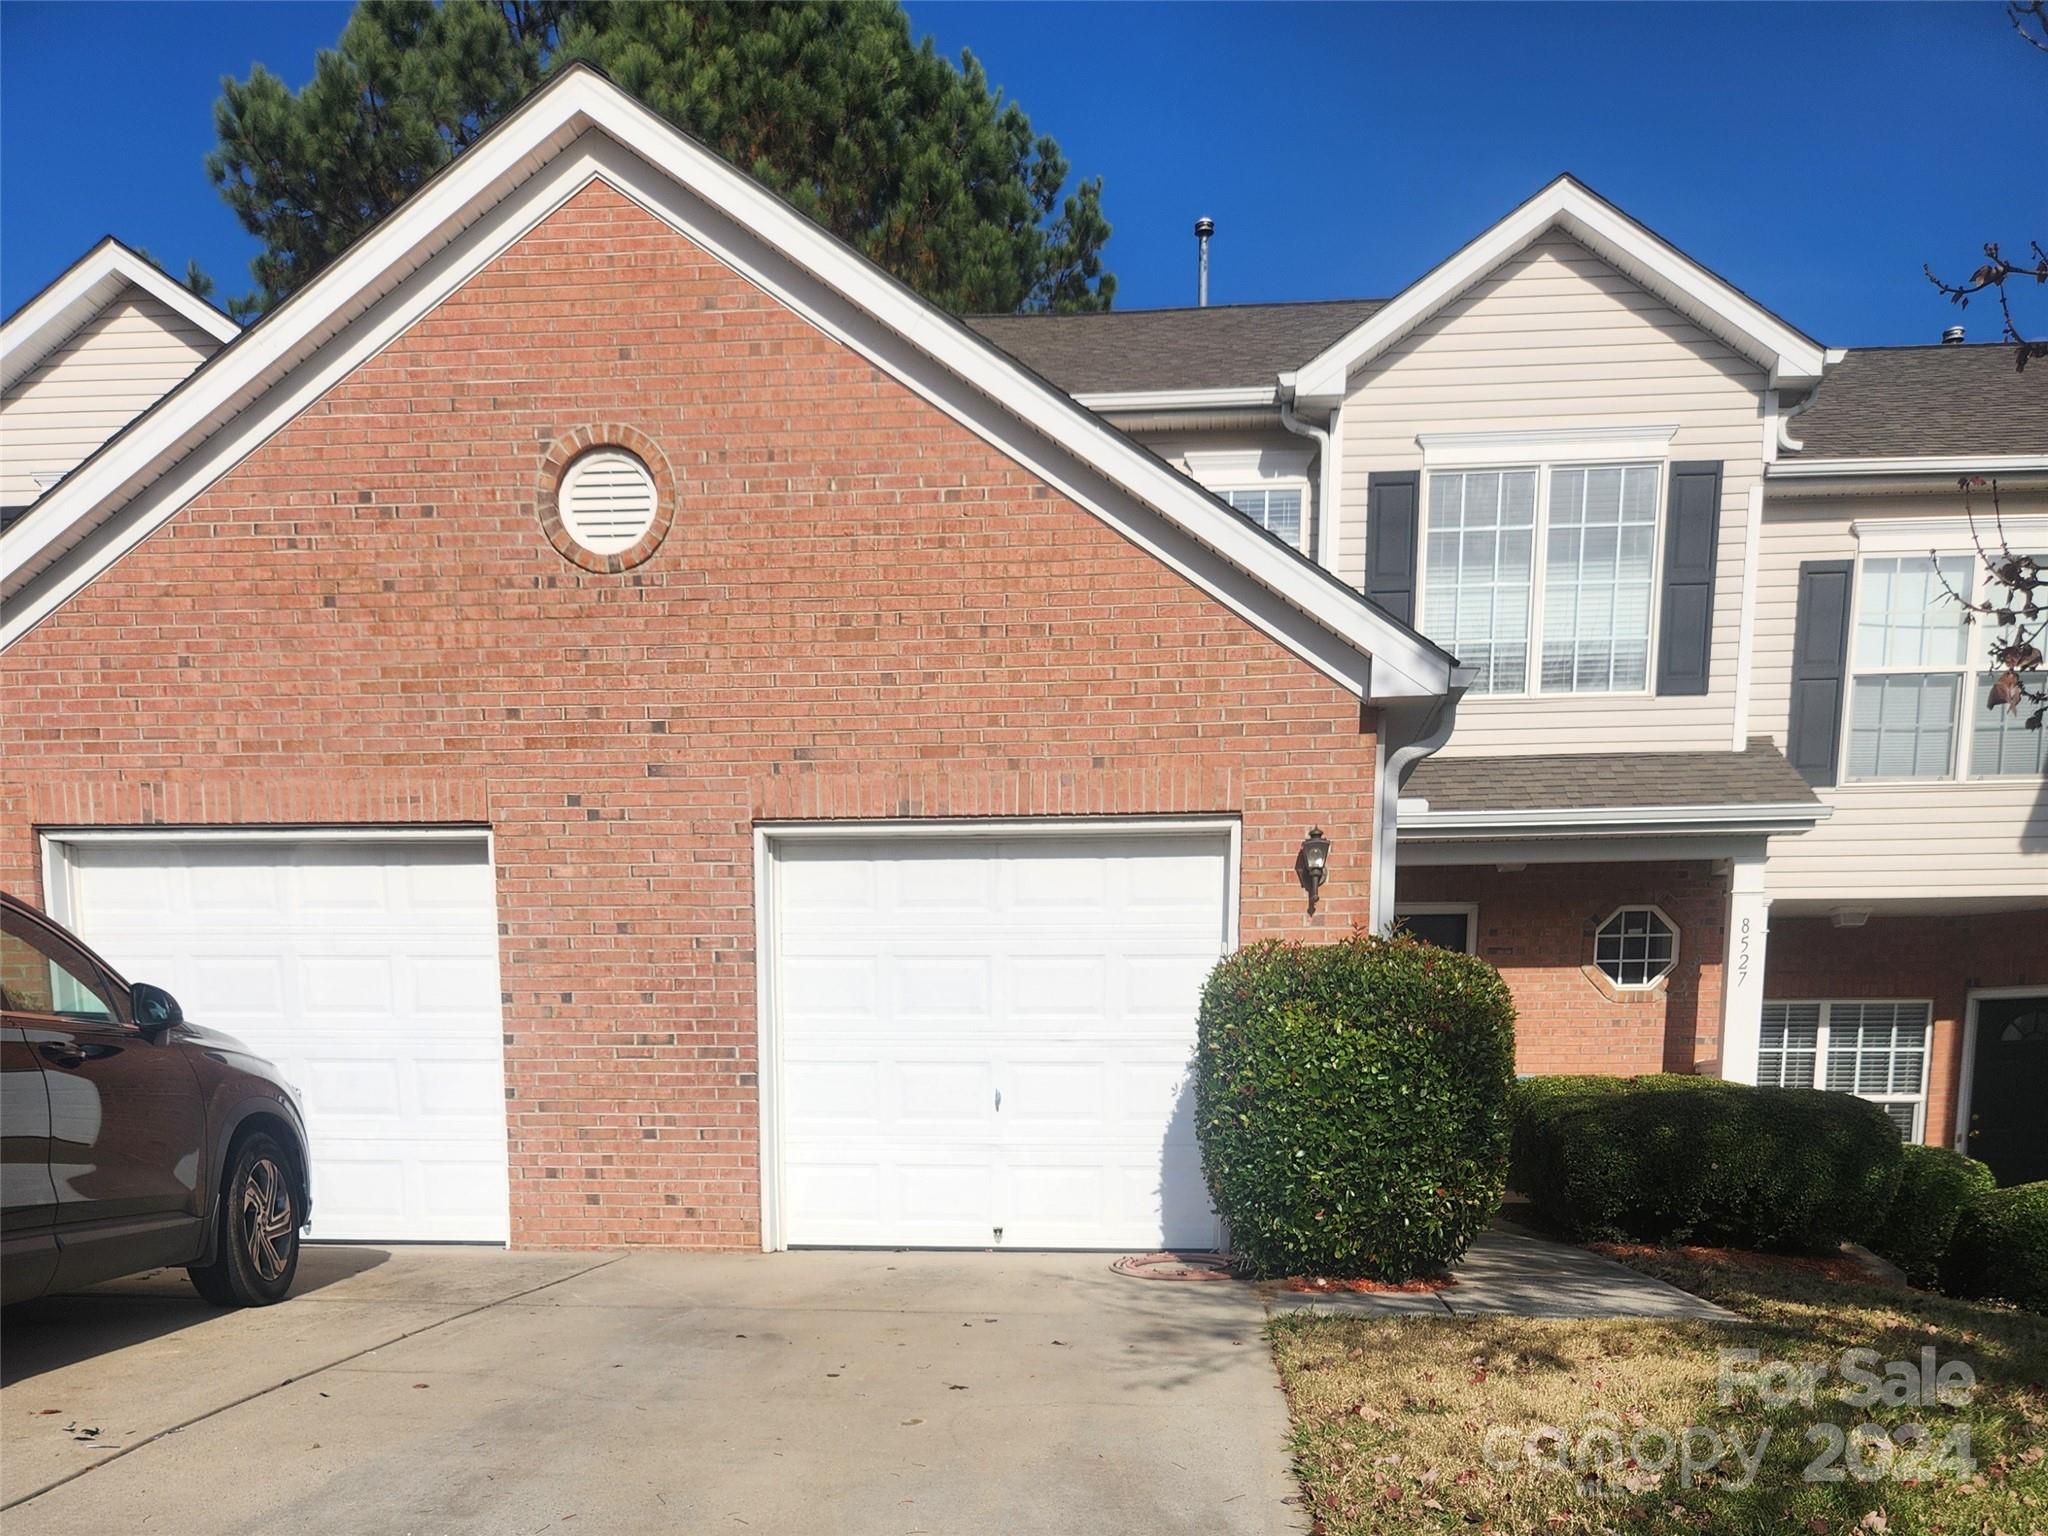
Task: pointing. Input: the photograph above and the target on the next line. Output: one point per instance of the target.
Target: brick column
(1742, 989)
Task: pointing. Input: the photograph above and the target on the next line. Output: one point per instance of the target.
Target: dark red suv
(132, 1138)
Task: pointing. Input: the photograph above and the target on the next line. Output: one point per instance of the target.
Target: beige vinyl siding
(1973, 839)
(112, 369)
(1556, 339)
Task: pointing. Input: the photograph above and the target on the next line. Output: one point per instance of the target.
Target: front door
(2008, 1086)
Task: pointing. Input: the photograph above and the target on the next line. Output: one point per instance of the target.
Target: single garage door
(368, 971)
(986, 1041)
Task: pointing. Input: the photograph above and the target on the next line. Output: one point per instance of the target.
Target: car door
(126, 1123)
(28, 1200)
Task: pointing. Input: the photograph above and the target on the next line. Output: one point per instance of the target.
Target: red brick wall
(862, 610)
(1536, 924)
(1941, 958)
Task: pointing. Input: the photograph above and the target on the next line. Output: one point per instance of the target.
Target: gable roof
(1717, 306)
(1157, 351)
(81, 291)
(581, 127)
(1947, 401)
(1477, 786)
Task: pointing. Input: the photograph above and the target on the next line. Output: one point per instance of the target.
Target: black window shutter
(1692, 534)
(1820, 660)
(1390, 528)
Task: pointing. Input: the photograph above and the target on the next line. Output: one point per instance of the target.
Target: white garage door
(987, 1041)
(368, 971)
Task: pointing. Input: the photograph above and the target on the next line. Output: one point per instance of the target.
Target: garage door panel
(367, 971)
(994, 1033)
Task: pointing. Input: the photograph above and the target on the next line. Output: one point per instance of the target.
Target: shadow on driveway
(52, 1332)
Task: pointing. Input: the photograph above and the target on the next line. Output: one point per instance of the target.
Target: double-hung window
(1875, 1050)
(1556, 558)
(1270, 486)
(1919, 694)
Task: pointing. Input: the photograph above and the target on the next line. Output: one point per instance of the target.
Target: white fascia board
(1791, 357)
(1569, 821)
(86, 287)
(455, 224)
(1946, 464)
(1949, 535)
(1178, 399)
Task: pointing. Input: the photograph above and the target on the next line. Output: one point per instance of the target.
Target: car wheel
(256, 1249)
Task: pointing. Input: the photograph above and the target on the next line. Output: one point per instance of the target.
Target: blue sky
(1816, 155)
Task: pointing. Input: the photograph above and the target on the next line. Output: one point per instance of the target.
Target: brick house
(668, 738)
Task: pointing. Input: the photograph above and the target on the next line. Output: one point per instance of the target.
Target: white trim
(767, 1025)
(1564, 445)
(1670, 923)
(1966, 1072)
(470, 212)
(1177, 399)
(85, 288)
(60, 895)
(1245, 468)
(1610, 234)
(1827, 1007)
(1949, 464)
(1945, 535)
(1745, 627)
(1469, 910)
(1570, 820)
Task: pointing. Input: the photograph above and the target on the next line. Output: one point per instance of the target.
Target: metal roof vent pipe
(1952, 337)
(1204, 228)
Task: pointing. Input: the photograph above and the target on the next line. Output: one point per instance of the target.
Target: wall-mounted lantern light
(1313, 864)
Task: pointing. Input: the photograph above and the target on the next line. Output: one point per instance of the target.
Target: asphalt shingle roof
(1899, 402)
(1225, 346)
(1604, 780)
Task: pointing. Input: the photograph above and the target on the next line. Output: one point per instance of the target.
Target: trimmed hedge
(1934, 1186)
(1673, 1159)
(2000, 1248)
(1351, 1101)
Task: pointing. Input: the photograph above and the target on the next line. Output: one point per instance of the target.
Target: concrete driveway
(421, 1390)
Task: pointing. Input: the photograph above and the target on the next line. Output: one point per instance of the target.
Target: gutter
(1407, 735)
(1326, 479)
(1575, 821)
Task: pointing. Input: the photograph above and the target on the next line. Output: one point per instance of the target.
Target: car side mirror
(153, 1009)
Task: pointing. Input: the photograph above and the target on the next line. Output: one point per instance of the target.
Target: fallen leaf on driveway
(954, 1387)
(419, 1386)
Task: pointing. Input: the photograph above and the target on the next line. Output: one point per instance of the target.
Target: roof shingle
(1758, 775)
(1901, 402)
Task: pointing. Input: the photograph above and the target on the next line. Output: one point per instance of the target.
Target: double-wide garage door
(987, 1041)
(368, 971)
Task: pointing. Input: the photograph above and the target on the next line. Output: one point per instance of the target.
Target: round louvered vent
(607, 501)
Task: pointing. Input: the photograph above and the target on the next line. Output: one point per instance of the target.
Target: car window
(40, 973)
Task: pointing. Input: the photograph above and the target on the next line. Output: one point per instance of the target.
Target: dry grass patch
(1392, 1416)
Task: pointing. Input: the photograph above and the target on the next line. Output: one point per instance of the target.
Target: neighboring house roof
(1477, 793)
(82, 290)
(1710, 301)
(1139, 351)
(1946, 401)
(581, 128)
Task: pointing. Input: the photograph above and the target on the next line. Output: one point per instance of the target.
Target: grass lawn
(1395, 1419)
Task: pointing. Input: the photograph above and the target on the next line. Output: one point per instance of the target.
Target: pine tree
(919, 164)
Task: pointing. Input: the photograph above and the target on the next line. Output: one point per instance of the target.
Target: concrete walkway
(449, 1391)
(1511, 1272)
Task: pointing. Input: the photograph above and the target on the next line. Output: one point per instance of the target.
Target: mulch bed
(1834, 1266)
(1312, 1284)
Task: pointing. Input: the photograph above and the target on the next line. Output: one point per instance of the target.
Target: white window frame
(1545, 453)
(1259, 469)
(1827, 1006)
(1469, 910)
(1918, 538)
(1677, 947)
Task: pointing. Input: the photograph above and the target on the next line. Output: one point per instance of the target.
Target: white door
(368, 972)
(986, 1041)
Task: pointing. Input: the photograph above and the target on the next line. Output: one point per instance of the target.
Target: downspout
(1786, 440)
(1407, 736)
(1326, 511)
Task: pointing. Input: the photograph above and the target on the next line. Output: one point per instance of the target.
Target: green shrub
(1672, 1159)
(1934, 1186)
(1351, 1101)
(2000, 1248)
